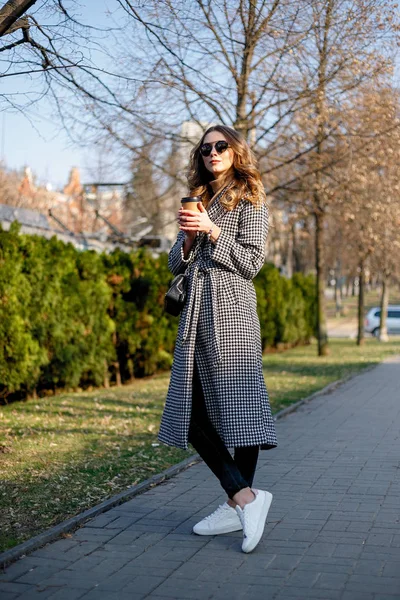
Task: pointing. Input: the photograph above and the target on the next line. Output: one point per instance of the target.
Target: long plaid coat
(220, 329)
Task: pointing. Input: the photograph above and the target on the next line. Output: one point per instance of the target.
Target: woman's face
(218, 164)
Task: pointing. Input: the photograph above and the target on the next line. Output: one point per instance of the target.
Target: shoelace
(248, 524)
(216, 513)
(242, 521)
(248, 530)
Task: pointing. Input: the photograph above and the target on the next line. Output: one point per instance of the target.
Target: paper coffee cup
(190, 203)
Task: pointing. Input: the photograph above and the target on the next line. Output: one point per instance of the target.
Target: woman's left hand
(189, 220)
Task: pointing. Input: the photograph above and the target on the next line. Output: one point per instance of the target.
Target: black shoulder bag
(175, 298)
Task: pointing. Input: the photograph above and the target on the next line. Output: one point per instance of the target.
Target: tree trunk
(348, 281)
(339, 279)
(131, 370)
(243, 123)
(360, 336)
(383, 334)
(289, 255)
(321, 117)
(106, 379)
(118, 379)
(11, 11)
(114, 338)
(338, 295)
(322, 333)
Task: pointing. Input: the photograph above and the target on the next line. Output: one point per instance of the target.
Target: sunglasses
(220, 147)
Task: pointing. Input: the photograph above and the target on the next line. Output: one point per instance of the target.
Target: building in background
(70, 214)
(142, 211)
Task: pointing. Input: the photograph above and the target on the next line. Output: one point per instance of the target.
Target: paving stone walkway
(333, 530)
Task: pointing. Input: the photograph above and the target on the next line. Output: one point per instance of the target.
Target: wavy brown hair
(246, 176)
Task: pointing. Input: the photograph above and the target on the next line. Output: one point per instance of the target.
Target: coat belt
(198, 274)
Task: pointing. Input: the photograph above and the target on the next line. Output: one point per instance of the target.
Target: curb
(54, 532)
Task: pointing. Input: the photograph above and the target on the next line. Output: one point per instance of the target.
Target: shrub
(21, 354)
(70, 318)
(285, 307)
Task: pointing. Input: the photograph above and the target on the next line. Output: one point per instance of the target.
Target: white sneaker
(253, 517)
(222, 520)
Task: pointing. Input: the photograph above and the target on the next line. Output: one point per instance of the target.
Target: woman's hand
(191, 222)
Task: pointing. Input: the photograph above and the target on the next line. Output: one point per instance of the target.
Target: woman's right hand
(188, 222)
(190, 236)
(185, 218)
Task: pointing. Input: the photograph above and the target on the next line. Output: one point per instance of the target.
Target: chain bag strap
(175, 298)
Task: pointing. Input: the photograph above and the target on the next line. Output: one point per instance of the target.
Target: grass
(64, 454)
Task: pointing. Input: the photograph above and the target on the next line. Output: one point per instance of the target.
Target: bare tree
(387, 157)
(9, 182)
(210, 61)
(50, 51)
(370, 199)
(10, 15)
(285, 74)
(349, 43)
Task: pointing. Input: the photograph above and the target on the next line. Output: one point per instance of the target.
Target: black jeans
(234, 473)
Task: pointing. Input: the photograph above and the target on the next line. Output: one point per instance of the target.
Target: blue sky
(41, 146)
(36, 138)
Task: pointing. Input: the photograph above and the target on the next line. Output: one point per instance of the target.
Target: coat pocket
(226, 288)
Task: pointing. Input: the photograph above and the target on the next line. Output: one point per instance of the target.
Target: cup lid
(191, 199)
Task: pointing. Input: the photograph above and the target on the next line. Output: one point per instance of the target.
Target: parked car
(373, 320)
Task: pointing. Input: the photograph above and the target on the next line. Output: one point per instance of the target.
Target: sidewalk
(333, 530)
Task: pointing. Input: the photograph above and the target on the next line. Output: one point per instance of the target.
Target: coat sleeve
(244, 254)
(176, 261)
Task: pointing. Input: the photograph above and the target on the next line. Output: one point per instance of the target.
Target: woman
(217, 397)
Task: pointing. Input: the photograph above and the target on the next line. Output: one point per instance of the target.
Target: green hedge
(70, 318)
(286, 307)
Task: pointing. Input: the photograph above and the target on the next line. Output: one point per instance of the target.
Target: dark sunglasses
(220, 147)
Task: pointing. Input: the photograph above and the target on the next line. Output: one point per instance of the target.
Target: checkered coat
(220, 329)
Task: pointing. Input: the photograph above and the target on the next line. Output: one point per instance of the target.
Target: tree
(370, 200)
(284, 74)
(288, 93)
(10, 15)
(197, 62)
(145, 199)
(49, 51)
(9, 182)
(348, 44)
(387, 156)
(211, 62)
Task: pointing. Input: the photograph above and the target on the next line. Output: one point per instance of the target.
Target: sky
(41, 145)
(36, 138)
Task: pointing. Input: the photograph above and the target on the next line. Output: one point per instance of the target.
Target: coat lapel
(216, 211)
